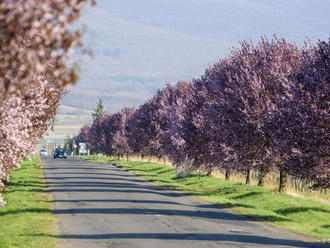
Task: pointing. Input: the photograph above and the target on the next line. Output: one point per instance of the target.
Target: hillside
(68, 122)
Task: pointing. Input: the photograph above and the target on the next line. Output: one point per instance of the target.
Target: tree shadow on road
(86, 173)
(199, 213)
(121, 201)
(205, 206)
(91, 178)
(79, 168)
(236, 238)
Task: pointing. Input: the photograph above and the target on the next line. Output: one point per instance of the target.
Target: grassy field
(303, 216)
(68, 121)
(24, 223)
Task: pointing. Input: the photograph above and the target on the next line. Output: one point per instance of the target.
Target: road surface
(101, 206)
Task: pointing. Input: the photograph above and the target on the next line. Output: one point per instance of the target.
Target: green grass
(19, 225)
(303, 216)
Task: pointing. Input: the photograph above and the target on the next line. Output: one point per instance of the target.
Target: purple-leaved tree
(264, 107)
(183, 140)
(242, 90)
(82, 137)
(120, 145)
(301, 127)
(97, 135)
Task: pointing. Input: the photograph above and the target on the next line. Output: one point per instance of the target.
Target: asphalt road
(103, 206)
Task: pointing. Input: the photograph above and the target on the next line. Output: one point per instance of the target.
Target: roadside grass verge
(24, 221)
(260, 204)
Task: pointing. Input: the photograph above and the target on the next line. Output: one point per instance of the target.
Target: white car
(43, 152)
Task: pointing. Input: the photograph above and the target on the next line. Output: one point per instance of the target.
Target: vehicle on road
(83, 149)
(59, 153)
(43, 152)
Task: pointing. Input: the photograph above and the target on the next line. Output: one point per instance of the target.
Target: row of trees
(265, 107)
(35, 41)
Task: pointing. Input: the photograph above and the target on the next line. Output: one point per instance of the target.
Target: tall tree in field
(301, 127)
(174, 141)
(97, 135)
(137, 132)
(145, 127)
(158, 121)
(82, 137)
(120, 145)
(35, 40)
(183, 140)
(243, 89)
(99, 111)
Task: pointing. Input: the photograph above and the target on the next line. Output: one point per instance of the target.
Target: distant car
(82, 149)
(59, 153)
(43, 152)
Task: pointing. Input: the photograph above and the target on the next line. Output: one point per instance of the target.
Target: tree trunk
(283, 181)
(164, 160)
(127, 157)
(261, 181)
(248, 176)
(227, 175)
(5, 189)
(142, 156)
(118, 156)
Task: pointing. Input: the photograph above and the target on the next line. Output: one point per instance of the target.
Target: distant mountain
(132, 60)
(140, 45)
